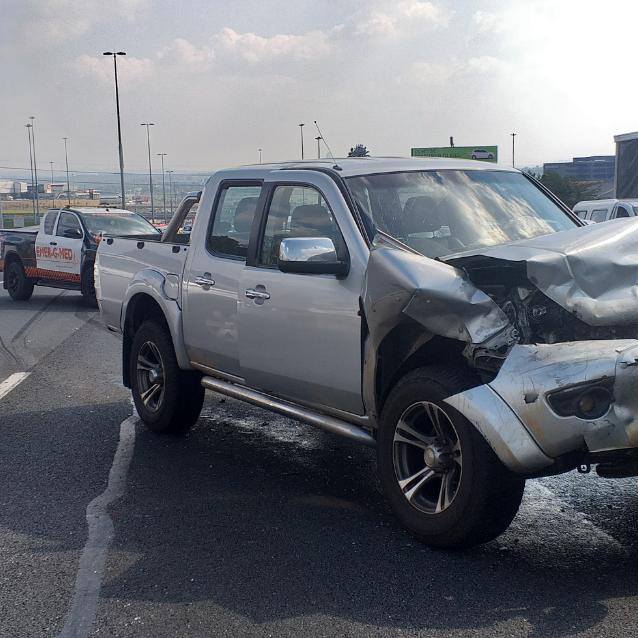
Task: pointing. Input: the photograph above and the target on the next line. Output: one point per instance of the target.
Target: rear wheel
(440, 476)
(20, 288)
(166, 398)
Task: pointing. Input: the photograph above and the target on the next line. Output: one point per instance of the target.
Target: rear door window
(230, 231)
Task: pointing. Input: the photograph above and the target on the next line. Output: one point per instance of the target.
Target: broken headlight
(588, 401)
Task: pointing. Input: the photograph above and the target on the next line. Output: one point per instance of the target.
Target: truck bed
(120, 259)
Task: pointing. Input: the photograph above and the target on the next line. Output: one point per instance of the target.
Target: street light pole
(35, 171)
(513, 136)
(301, 131)
(150, 170)
(318, 138)
(170, 190)
(28, 127)
(51, 165)
(259, 154)
(119, 127)
(163, 155)
(66, 159)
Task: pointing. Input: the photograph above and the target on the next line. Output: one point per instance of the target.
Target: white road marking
(11, 382)
(88, 582)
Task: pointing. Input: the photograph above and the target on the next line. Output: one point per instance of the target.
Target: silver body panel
(119, 260)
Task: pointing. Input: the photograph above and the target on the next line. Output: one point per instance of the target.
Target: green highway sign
(484, 153)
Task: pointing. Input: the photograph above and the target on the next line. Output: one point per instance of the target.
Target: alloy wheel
(150, 376)
(427, 456)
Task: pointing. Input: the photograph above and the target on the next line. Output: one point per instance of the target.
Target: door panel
(304, 342)
(59, 257)
(302, 339)
(212, 281)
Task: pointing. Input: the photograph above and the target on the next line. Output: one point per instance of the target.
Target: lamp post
(259, 151)
(163, 155)
(51, 165)
(318, 138)
(35, 170)
(150, 170)
(513, 136)
(170, 190)
(66, 159)
(301, 132)
(29, 127)
(119, 128)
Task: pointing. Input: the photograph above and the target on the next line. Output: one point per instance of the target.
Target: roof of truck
(352, 166)
(99, 210)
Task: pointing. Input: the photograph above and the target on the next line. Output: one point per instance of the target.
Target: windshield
(118, 224)
(439, 213)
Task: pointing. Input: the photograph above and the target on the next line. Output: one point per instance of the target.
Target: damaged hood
(591, 271)
(441, 298)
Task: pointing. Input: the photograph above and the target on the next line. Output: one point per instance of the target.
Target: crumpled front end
(570, 397)
(545, 348)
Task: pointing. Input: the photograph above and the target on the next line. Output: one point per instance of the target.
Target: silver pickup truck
(454, 314)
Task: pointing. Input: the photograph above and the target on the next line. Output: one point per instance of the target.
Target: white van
(602, 210)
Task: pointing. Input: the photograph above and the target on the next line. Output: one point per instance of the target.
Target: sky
(222, 79)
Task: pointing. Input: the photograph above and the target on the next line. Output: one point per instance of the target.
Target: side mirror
(311, 255)
(73, 233)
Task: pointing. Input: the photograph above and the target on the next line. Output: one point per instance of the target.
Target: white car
(602, 210)
(482, 154)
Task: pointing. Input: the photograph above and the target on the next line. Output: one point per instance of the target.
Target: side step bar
(328, 423)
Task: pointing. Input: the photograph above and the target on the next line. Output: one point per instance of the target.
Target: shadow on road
(272, 521)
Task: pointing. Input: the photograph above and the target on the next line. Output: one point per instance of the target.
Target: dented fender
(440, 297)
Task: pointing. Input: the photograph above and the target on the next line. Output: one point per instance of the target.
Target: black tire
(87, 286)
(180, 400)
(481, 496)
(19, 286)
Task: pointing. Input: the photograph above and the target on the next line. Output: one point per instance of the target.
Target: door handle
(251, 293)
(205, 280)
(53, 243)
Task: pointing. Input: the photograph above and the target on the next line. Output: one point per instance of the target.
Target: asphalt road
(252, 525)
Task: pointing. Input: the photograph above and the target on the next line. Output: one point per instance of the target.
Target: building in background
(595, 168)
(12, 188)
(626, 181)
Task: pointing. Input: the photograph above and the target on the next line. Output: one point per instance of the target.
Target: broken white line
(88, 582)
(11, 382)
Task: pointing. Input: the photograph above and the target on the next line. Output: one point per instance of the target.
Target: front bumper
(513, 414)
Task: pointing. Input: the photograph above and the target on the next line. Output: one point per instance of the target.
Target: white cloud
(486, 21)
(61, 20)
(185, 54)
(423, 10)
(428, 73)
(255, 48)
(129, 68)
(407, 15)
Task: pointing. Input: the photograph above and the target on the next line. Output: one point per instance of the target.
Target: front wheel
(20, 288)
(442, 479)
(166, 398)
